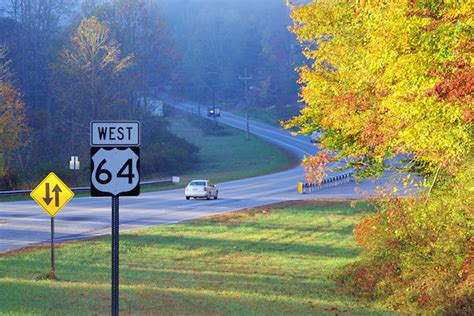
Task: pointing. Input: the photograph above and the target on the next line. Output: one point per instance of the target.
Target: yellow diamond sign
(52, 194)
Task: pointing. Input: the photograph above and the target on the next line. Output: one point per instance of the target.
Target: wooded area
(64, 63)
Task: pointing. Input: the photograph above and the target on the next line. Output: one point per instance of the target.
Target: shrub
(164, 153)
(418, 251)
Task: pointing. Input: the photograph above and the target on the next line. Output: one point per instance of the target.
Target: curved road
(23, 223)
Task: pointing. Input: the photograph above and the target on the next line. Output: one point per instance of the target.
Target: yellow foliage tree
(90, 71)
(388, 78)
(91, 80)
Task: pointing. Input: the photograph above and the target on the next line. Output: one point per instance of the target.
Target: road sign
(115, 133)
(74, 163)
(115, 171)
(52, 194)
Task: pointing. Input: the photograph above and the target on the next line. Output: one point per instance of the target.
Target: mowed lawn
(269, 261)
(230, 156)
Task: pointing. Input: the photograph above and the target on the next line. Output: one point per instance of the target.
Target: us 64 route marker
(115, 171)
(52, 195)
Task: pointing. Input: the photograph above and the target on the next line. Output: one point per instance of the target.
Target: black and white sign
(115, 158)
(115, 133)
(115, 171)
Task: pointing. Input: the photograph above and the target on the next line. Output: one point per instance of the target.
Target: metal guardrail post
(327, 182)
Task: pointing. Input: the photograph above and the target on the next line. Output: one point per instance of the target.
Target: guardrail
(329, 182)
(87, 189)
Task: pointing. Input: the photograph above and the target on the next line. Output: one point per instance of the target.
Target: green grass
(270, 261)
(271, 116)
(230, 157)
(261, 115)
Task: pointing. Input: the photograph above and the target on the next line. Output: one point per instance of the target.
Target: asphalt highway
(23, 223)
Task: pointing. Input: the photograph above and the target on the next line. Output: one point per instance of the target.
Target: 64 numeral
(127, 166)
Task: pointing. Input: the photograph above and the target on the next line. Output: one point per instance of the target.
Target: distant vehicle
(315, 136)
(211, 111)
(201, 189)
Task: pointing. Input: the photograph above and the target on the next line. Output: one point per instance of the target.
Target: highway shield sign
(52, 194)
(115, 171)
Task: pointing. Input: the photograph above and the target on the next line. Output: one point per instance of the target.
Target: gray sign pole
(115, 255)
(52, 247)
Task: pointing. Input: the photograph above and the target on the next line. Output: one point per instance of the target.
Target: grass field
(271, 116)
(270, 261)
(230, 156)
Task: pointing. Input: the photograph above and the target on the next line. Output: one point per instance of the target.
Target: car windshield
(198, 183)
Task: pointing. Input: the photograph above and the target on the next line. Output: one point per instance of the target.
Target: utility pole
(214, 102)
(246, 78)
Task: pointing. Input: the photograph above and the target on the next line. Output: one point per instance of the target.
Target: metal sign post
(115, 171)
(115, 255)
(49, 190)
(53, 270)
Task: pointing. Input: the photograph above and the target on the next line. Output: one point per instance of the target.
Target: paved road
(23, 223)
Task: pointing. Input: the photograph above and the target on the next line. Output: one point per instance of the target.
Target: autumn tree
(390, 79)
(12, 122)
(381, 86)
(91, 77)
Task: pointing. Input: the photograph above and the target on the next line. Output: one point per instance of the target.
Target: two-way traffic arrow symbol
(48, 198)
(56, 191)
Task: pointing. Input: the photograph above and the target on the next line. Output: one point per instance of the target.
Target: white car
(201, 189)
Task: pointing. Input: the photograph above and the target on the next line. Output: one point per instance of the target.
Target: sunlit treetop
(386, 78)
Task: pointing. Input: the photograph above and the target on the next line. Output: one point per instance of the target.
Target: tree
(91, 78)
(5, 72)
(395, 79)
(12, 122)
(31, 27)
(141, 31)
(385, 79)
(229, 37)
